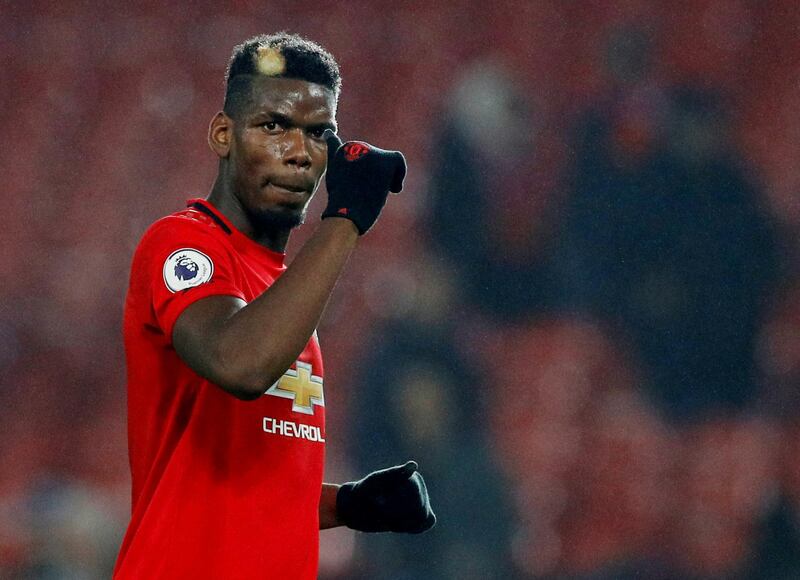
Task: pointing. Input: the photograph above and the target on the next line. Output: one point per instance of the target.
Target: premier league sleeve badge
(187, 268)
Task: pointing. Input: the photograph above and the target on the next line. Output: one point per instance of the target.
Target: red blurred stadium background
(105, 110)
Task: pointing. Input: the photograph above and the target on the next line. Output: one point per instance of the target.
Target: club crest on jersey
(187, 268)
(301, 386)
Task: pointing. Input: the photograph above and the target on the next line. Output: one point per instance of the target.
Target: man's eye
(270, 125)
(316, 133)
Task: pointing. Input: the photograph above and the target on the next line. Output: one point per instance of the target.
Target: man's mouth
(290, 187)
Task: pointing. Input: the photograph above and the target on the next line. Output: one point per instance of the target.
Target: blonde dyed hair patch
(270, 61)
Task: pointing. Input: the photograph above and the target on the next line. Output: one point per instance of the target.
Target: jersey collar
(241, 241)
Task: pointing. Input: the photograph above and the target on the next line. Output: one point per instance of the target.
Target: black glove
(389, 500)
(359, 178)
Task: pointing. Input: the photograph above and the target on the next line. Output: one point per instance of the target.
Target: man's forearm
(278, 324)
(327, 507)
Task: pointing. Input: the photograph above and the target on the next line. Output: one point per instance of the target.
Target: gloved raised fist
(389, 500)
(359, 178)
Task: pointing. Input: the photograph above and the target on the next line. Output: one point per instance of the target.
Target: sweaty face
(278, 154)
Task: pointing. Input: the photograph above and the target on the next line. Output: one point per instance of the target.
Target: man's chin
(277, 219)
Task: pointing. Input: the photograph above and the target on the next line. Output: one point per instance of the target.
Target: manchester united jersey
(222, 488)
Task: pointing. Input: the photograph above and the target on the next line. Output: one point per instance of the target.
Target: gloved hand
(389, 500)
(359, 178)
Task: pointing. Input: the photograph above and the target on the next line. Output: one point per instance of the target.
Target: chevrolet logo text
(292, 429)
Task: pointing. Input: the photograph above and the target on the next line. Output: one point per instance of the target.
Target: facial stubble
(270, 220)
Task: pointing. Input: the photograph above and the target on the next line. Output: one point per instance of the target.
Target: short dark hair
(277, 55)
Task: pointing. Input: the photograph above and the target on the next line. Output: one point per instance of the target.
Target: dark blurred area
(581, 317)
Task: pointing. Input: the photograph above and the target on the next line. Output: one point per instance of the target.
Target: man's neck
(228, 204)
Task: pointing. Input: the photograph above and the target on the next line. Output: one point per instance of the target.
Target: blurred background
(582, 316)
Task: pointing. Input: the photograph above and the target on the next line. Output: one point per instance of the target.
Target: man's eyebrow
(287, 121)
(275, 116)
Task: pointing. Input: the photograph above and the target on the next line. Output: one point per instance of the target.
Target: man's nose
(296, 152)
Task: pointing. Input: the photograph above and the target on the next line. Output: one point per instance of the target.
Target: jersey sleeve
(186, 261)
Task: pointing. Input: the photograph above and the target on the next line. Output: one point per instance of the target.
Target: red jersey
(222, 488)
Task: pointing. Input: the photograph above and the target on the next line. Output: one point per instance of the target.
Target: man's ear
(220, 134)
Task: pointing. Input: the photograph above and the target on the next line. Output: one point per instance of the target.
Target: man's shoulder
(188, 219)
(186, 224)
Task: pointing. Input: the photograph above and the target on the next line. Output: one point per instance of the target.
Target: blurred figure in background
(664, 238)
(64, 530)
(489, 194)
(418, 392)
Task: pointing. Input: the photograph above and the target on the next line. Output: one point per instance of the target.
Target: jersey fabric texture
(222, 488)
